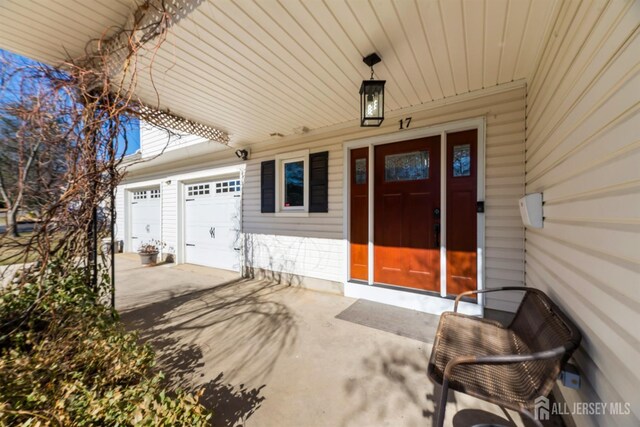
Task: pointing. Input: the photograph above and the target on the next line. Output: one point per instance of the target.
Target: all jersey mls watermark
(543, 408)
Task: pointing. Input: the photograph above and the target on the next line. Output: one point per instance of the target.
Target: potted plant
(149, 252)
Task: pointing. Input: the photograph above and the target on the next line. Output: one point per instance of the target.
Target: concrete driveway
(270, 354)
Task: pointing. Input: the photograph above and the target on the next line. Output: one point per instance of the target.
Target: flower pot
(148, 258)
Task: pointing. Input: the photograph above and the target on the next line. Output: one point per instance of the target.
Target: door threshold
(412, 299)
(405, 289)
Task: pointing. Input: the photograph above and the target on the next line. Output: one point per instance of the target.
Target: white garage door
(212, 224)
(145, 217)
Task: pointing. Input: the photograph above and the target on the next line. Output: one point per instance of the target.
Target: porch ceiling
(254, 68)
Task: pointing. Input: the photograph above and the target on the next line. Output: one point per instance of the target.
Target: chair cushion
(514, 385)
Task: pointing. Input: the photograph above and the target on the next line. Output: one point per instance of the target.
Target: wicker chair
(509, 366)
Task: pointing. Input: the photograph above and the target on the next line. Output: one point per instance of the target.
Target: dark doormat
(400, 321)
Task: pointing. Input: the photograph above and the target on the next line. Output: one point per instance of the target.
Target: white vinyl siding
(583, 153)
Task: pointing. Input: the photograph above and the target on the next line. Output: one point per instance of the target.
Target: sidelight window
(361, 171)
(462, 160)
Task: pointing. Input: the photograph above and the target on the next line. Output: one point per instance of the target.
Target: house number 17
(404, 123)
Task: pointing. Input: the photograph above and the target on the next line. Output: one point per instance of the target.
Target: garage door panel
(146, 224)
(212, 226)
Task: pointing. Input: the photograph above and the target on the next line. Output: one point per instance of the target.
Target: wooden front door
(407, 214)
(462, 222)
(359, 203)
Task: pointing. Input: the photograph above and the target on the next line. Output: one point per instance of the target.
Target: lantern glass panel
(372, 102)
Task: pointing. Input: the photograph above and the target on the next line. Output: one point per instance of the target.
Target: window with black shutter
(295, 183)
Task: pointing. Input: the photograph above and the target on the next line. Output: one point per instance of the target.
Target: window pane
(361, 171)
(406, 166)
(462, 160)
(294, 184)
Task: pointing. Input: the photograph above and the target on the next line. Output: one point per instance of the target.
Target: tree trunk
(12, 222)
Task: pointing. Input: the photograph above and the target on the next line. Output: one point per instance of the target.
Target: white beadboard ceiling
(253, 68)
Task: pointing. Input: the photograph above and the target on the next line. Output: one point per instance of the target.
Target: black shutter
(268, 186)
(319, 182)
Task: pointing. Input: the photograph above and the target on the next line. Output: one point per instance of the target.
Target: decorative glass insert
(154, 194)
(462, 160)
(232, 186)
(406, 166)
(198, 190)
(361, 171)
(294, 184)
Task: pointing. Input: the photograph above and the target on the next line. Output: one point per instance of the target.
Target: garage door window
(232, 186)
(154, 194)
(198, 190)
(139, 195)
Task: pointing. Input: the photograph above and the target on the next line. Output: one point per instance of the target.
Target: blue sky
(133, 129)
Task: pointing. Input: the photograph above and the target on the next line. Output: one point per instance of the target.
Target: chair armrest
(484, 291)
(502, 359)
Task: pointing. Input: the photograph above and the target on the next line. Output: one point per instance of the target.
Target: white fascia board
(209, 173)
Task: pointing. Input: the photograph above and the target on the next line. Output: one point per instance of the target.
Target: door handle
(436, 229)
(212, 232)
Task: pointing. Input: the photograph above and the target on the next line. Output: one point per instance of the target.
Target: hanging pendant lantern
(371, 97)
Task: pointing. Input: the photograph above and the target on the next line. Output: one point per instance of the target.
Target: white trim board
(281, 159)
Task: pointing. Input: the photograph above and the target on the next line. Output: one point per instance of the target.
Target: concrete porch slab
(269, 354)
(138, 285)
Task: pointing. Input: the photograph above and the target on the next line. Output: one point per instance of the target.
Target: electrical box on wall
(531, 210)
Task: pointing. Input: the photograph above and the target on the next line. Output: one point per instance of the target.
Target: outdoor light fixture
(371, 97)
(242, 154)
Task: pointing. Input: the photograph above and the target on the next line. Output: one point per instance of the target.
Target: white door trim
(443, 213)
(428, 303)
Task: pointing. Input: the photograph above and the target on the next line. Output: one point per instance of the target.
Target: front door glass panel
(406, 166)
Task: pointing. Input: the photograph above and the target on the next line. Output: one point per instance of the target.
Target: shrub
(66, 360)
